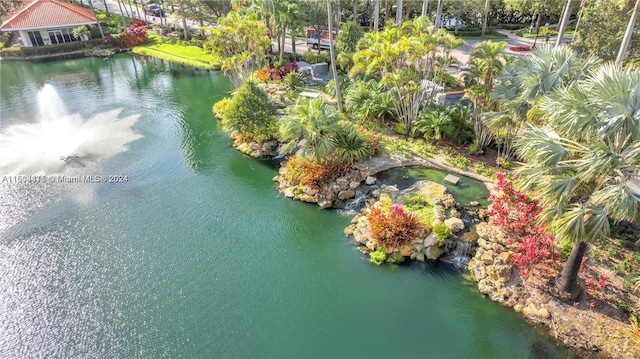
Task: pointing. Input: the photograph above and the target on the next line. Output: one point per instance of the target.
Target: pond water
(191, 252)
(465, 191)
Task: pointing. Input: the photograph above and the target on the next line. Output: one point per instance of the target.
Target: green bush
(220, 107)
(378, 256)
(293, 80)
(447, 78)
(5, 40)
(513, 26)
(401, 129)
(251, 114)
(479, 167)
(564, 247)
(474, 148)
(441, 231)
(313, 57)
(460, 162)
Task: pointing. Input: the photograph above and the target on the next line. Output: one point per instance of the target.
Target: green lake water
(196, 255)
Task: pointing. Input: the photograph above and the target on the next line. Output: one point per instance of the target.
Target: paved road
(171, 19)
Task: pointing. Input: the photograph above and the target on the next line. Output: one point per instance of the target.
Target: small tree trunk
(281, 38)
(567, 282)
(355, 11)
(438, 21)
(184, 20)
(486, 15)
(106, 7)
(399, 14)
(425, 7)
(627, 35)
(376, 15)
(97, 22)
(563, 23)
(124, 23)
(293, 43)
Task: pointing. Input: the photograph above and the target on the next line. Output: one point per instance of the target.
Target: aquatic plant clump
(393, 227)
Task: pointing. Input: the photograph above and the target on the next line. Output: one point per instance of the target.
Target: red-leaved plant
(515, 213)
(393, 227)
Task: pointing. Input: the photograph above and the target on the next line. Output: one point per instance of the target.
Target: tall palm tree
(399, 13)
(332, 51)
(524, 82)
(376, 15)
(627, 34)
(491, 57)
(310, 124)
(580, 164)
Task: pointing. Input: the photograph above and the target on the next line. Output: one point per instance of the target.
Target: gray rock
(346, 194)
(454, 213)
(288, 192)
(353, 185)
(454, 224)
(474, 204)
(310, 190)
(431, 240)
(420, 257)
(370, 180)
(255, 146)
(324, 203)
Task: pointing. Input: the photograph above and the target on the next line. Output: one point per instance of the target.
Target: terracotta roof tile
(48, 13)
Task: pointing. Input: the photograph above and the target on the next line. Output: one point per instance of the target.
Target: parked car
(153, 10)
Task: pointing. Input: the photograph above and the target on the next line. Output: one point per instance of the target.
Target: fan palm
(524, 82)
(310, 124)
(580, 165)
(350, 146)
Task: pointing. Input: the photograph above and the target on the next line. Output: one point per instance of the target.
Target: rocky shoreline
(486, 248)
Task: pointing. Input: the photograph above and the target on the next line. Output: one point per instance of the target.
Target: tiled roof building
(46, 22)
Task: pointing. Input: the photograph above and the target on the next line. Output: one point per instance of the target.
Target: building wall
(44, 34)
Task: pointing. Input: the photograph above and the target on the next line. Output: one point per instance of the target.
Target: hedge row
(48, 49)
(513, 26)
(140, 50)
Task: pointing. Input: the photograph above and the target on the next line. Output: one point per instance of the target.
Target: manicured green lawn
(176, 51)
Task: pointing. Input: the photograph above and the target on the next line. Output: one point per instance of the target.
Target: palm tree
(350, 146)
(81, 33)
(581, 162)
(310, 124)
(332, 50)
(523, 83)
(491, 59)
(438, 22)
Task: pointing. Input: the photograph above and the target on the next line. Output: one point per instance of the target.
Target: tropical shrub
(220, 107)
(378, 256)
(293, 80)
(350, 146)
(310, 172)
(136, 35)
(313, 57)
(264, 74)
(516, 214)
(512, 210)
(394, 226)
(441, 231)
(5, 40)
(251, 114)
(533, 249)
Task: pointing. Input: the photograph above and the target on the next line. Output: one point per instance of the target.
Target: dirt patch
(596, 321)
